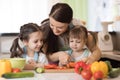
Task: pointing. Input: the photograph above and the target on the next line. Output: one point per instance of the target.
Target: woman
(56, 30)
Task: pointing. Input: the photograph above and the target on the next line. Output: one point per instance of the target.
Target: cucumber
(114, 73)
(18, 75)
(39, 70)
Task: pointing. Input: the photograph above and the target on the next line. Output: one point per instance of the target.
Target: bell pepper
(79, 66)
(99, 66)
(88, 67)
(5, 66)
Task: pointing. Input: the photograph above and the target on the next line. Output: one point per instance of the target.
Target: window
(14, 13)
(100, 11)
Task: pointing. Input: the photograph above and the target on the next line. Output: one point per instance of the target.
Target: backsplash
(117, 37)
(6, 43)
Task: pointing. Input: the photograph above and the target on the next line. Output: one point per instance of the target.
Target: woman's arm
(60, 56)
(92, 45)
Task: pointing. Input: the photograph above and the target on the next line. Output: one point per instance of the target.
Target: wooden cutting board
(59, 70)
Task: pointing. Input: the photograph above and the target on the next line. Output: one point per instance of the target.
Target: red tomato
(86, 74)
(98, 75)
(15, 70)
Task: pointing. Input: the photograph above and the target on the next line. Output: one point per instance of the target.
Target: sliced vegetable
(18, 75)
(39, 70)
(50, 66)
(71, 65)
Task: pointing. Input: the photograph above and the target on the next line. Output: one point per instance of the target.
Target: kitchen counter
(115, 55)
(57, 76)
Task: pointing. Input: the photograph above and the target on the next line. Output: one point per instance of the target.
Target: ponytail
(15, 49)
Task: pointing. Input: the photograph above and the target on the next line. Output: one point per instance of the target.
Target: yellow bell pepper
(5, 66)
(99, 66)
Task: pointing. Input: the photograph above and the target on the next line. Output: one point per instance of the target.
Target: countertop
(115, 55)
(57, 76)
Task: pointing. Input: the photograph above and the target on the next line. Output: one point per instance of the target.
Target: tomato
(86, 74)
(15, 70)
(98, 75)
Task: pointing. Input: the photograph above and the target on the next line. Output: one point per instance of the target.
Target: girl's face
(57, 27)
(35, 41)
(76, 44)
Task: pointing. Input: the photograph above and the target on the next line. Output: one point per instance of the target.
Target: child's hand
(84, 59)
(31, 61)
(90, 60)
(39, 65)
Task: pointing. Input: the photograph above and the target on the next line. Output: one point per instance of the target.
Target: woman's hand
(63, 58)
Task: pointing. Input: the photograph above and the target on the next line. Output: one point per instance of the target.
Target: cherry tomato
(86, 74)
(15, 70)
(98, 75)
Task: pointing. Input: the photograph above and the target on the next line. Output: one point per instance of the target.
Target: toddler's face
(76, 44)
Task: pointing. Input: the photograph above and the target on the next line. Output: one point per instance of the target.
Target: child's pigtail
(15, 49)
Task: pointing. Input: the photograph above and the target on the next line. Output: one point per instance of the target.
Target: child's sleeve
(42, 58)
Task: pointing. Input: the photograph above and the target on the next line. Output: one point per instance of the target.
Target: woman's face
(58, 28)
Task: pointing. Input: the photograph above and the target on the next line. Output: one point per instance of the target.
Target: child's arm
(32, 65)
(29, 67)
(84, 59)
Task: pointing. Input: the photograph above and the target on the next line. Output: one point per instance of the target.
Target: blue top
(36, 55)
(85, 54)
